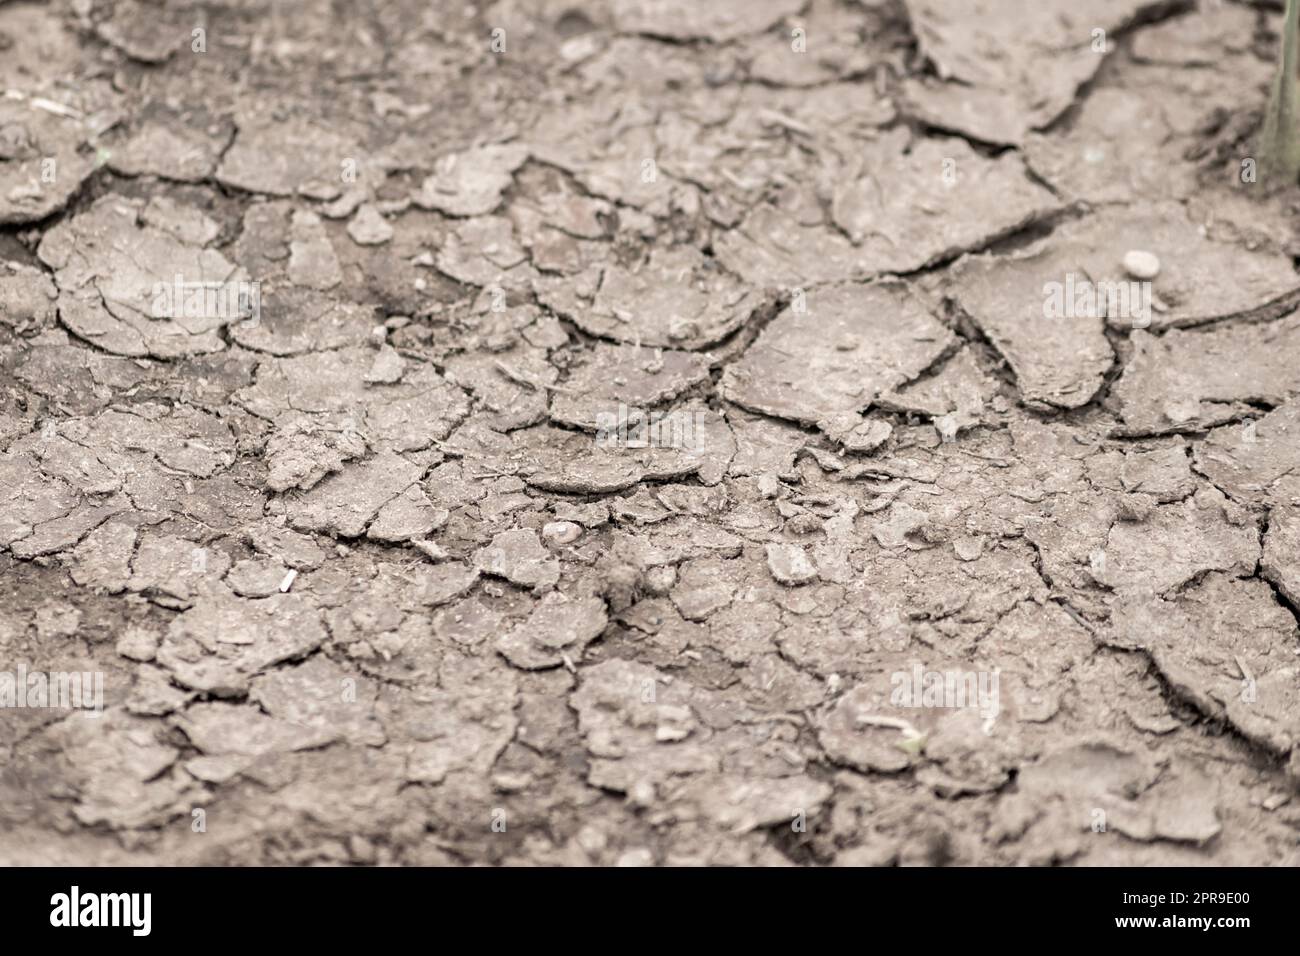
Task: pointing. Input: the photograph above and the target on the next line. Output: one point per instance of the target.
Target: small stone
(1141, 264)
(1273, 801)
(561, 532)
(804, 523)
(768, 486)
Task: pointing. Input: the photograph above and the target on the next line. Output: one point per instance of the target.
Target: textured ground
(821, 227)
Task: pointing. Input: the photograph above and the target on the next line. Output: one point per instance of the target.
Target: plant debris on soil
(570, 432)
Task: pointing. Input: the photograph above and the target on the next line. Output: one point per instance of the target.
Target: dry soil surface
(367, 574)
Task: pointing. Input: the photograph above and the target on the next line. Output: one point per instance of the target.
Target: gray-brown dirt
(373, 570)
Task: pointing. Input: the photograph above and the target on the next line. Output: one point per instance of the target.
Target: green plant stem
(1279, 143)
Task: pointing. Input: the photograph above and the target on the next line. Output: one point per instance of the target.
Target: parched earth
(369, 579)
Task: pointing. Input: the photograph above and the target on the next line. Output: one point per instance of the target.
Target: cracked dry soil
(367, 579)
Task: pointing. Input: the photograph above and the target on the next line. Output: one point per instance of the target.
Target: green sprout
(1279, 142)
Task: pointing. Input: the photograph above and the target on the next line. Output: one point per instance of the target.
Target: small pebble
(804, 523)
(561, 532)
(1141, 264)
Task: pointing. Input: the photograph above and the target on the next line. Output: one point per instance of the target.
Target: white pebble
(1141, 264)
(561, 532)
